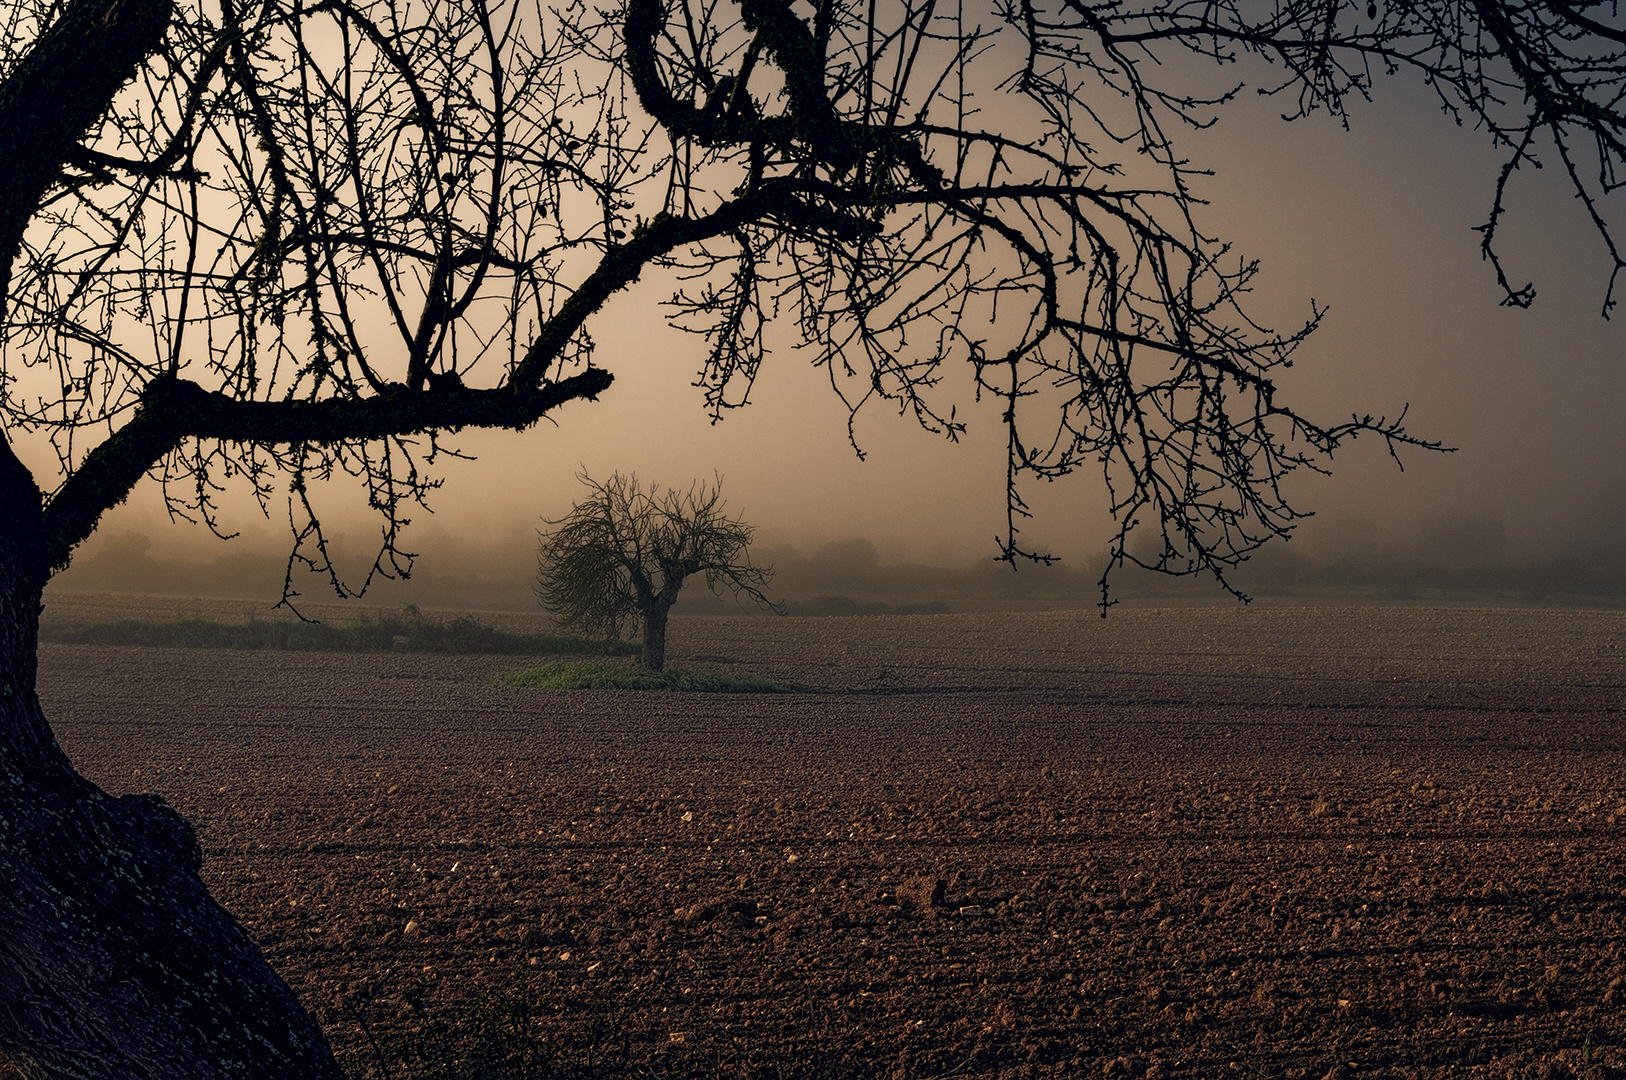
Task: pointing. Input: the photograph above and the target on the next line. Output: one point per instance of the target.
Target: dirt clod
(922, 894)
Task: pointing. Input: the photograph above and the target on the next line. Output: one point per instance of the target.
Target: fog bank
(1448, 556)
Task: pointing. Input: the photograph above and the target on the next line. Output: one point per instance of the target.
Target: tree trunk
(114, 959)
(654, 658)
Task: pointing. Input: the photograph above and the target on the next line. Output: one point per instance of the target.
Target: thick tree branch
(173, 410)
(623, 264)
(791, 44)
(716, 126)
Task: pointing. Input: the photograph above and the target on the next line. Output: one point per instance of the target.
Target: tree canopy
(309, 240)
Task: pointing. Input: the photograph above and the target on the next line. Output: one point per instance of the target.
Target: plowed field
(1200, 842)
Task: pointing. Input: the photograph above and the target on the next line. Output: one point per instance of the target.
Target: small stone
(411, 929)
(688, 815)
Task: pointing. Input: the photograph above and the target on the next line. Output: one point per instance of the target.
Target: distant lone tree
(623, 555)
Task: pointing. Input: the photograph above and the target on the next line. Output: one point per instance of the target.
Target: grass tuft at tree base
(603, 676)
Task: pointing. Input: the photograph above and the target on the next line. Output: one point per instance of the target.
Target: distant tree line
(1450, 556)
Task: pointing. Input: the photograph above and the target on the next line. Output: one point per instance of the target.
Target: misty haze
(1457, 557)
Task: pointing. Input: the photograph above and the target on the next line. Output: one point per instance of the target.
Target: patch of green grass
(408, 632)
(602, 676)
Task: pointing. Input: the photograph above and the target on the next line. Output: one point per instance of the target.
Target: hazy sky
(1378, 223)
(1375, 222)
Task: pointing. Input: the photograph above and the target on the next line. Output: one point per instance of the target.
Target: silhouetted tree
(623, 555)
(281, 242)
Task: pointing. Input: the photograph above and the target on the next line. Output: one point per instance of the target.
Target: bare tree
(623, 554)
(279, 243)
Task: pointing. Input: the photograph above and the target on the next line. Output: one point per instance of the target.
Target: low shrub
(408, 632)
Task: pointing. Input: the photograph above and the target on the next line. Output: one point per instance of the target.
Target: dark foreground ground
(1206, 842)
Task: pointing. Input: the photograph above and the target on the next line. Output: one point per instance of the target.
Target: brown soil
(1313, 842)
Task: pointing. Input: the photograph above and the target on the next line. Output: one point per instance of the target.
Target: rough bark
(657, 606)
(114, 960)
(654, 655)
